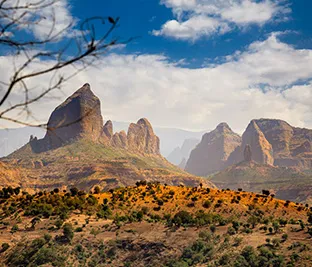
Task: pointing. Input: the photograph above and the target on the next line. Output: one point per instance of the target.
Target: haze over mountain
(14, 138)
(180, 155)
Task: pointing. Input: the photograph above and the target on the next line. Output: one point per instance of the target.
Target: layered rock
(211, 154)
(79, 116)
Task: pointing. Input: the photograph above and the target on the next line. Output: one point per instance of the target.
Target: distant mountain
(180, 155)
(271, 141)
(77, 150)
(212, 153)
(12, 139)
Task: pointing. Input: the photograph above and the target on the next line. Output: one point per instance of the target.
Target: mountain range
(271, 154)
(78, 149)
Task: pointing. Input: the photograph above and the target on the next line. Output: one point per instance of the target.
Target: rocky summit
(292, 146)
(212, 153)
(79, 117)
(78, 150)
(261, 149)
(272, 142)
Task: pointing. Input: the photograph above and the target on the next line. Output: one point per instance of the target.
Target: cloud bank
(194, 19)
(268, 79)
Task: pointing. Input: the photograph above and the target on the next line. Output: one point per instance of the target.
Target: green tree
(68, 231)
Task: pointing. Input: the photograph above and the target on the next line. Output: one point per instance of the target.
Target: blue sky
(141, 17)
(195, 63)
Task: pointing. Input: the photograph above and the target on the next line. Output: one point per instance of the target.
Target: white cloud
(53, 19)
(193, 28)
(258, 82)
(197, 18)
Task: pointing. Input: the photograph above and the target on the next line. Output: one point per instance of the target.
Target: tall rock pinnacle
(79, 116)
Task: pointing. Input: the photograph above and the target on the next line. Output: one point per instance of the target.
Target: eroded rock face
(291, 145)
(262, 151)
(211, 154)
(119, 140)
(247, 153)
(141, 138)
(79, 116)
(108, 129)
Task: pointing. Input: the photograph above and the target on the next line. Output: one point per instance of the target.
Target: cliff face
(79, 117)
(292, 146)
(261, 150)
(141, 137)
(211, 154)
(268, 141)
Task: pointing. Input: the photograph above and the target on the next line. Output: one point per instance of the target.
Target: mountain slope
(285, 183)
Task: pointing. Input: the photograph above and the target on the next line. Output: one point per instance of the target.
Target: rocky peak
(262, 151)
(224, 127)
(79, 116)
(119, 140)
(108, 129)
(141, 137)
(212, 152)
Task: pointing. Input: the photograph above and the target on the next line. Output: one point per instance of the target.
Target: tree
(68, 231)
(97, 190)
(41, 39)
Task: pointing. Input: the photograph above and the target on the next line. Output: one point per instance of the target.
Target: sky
(193, 63)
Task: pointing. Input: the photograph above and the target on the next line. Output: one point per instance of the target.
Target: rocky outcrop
(211, 154)
(291, 145)
(78, 117)
(261, 149)
(141, 138)
(119, 140)
(108, 129)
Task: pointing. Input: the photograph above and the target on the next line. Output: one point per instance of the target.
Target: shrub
(284, 237)
(231, 230)
(97, 190)
(4, 247)
(207, 204)
(213, 228)
(68, 231)
(14, 228)
(182, 217)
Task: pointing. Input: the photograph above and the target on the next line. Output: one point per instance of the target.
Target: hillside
(153, 225)
(85, 164)
(286, 183)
